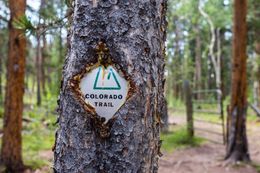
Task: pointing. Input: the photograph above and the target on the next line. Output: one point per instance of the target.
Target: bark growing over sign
(11, 154)
(134, 32)
(237, 146)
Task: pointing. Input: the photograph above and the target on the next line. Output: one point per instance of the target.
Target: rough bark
(12, 141)
(237, 146)
(134, 32)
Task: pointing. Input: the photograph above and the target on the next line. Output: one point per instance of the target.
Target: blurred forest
(199, 49)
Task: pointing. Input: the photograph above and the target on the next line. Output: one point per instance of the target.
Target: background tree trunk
(134, 32)
(44, 57)
(61, 56)
(44, 54)
(164, 116)
(176, 70)
(198, 69)
(11, 146)
(38, 69)
(237, 146)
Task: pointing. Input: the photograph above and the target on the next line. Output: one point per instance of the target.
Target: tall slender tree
(237, 145)
(38, 65)
(44, 52)
(11, 151)
(198, 64)
(134, 32)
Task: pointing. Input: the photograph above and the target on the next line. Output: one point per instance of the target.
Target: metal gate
(209, 102)
(202, 117)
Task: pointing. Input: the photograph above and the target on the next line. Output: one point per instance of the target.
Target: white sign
(105, 90)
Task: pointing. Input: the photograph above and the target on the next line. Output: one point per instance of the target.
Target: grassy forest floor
(181, 154)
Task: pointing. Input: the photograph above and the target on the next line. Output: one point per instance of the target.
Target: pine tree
(11, 152)
(237, 145)
(131, 35)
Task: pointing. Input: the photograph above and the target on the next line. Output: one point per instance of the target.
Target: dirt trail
(208, 158)
(203, 159)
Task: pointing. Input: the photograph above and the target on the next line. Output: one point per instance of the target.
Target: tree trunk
(44, 56)
(164, 116)
(34, 79)
(176, 70)
(215, 44)
(11, 151)
(38, 69)
(43, 48)
(134, 32)
(198, 70)
(61, 57)
(237, 146)
(218, 59)
(222, 64)
(189, 108)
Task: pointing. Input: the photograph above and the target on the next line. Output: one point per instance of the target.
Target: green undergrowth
(1, 110)
(207, 117)
(251, 116)
(256, 166)
(34, 143)
(179, 139)
(39, 133)
(175, 103)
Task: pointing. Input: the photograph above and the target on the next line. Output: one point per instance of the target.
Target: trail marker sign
(105, 90)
